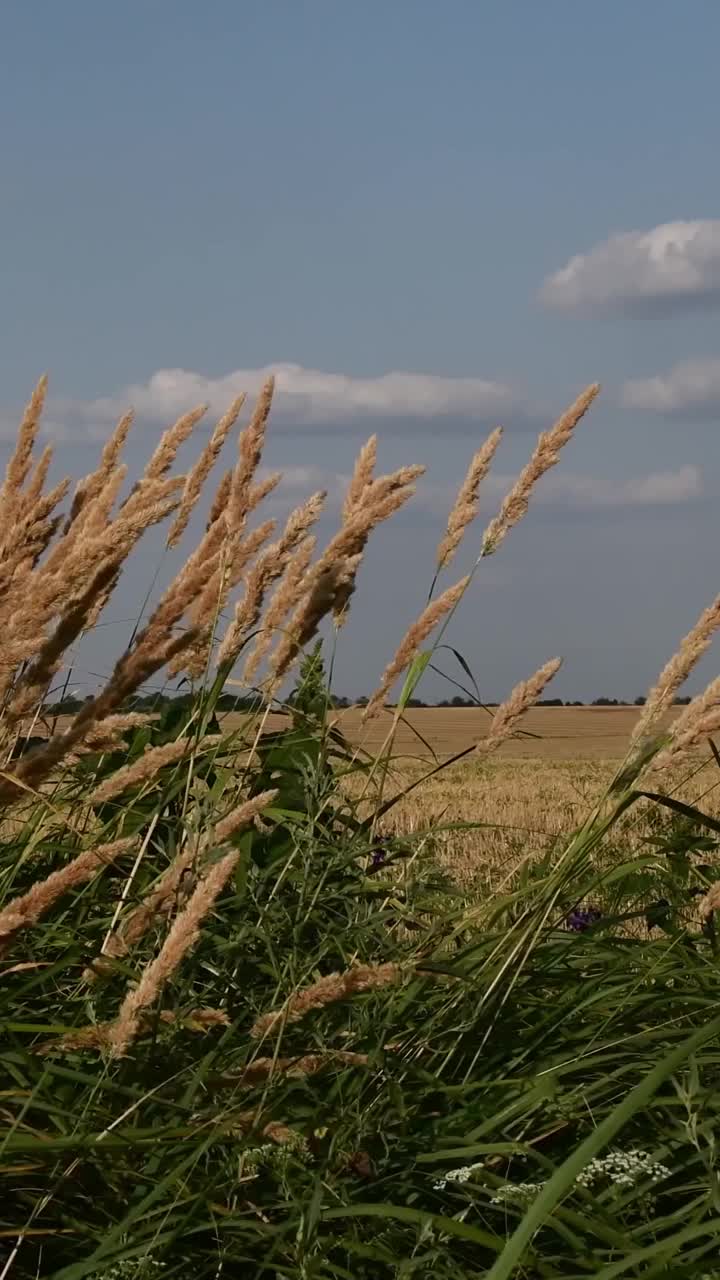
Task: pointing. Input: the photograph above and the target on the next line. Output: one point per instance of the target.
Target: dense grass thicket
(248, 1033)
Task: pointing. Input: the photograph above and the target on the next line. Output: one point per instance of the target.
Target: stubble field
(512, 805)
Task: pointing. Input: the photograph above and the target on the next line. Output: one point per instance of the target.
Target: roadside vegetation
(253, 1025)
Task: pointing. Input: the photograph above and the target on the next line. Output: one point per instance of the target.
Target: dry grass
(539, 785)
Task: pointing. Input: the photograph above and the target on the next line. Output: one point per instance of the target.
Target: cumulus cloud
(582, 491)
(676, 260)
(656, 488)
(307, 396)
(691, 387)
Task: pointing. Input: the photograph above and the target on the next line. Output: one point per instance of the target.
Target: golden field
(532, 791)
(536, 788)
(548, 733)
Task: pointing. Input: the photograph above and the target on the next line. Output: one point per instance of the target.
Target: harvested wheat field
(515, 803)
(525, 797)
(548, 733)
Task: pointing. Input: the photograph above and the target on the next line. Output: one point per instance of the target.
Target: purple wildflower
(582, 918)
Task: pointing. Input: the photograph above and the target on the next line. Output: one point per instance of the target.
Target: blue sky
(393, 185)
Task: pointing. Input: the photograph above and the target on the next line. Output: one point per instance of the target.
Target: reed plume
(268, 568)
(465, 508)
(167, 449)
(675, 672)
(149, 765)
(545, 455)
(220, 500)
(416, 635)
(328, 990)
(242, 815)
(230, 566)
(306, 1064)
(328, 592)
(164, 896)
(695, 724)
(250, 447)
(17, 469)
(182, 936)
(329, 583)
(26, 910)
(95, 1036)
(361, 479)
(523, 696)
(87, 489)
(200, 472)
(285, 598)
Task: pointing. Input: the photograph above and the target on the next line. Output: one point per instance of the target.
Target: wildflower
(379, 853)
(620, 1168)
(522, 1193)
(274, 1156)
(582, 918)
(623, 1169)
(463, 1174)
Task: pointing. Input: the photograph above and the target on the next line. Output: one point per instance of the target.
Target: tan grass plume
(415, 636)
(545, 455)
(183, 935)
(26, 910)
(200, 472)
(328, 990)
(676, 671)
(465, 508)
(523, 696)
(161, 900)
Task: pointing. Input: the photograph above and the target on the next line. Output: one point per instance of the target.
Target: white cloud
(672, 261)
(579, 491)
(305, 395)
(666, 486)
(656, 488)
(693, 386)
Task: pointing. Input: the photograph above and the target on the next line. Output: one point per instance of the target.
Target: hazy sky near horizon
(429, 219)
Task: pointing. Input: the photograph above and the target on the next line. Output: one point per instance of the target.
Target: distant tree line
(255, 702)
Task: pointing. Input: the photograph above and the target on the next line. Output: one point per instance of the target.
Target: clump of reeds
(463, 512)
(57, 572)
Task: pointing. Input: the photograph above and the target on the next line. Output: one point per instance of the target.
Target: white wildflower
(620, 1168)
(623, 1169)
(463, 1174)
(272, 1155)
(522, 1193)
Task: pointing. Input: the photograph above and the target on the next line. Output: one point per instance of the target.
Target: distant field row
(559, 733)
(552, 733)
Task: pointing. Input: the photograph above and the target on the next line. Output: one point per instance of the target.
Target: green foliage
(528, 1101)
